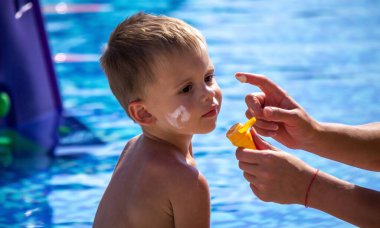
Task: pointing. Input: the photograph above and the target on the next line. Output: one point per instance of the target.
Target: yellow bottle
(240, 136)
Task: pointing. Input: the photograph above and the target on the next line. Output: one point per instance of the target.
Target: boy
(159, 70)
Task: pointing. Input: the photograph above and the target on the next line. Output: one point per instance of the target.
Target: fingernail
(241, 78)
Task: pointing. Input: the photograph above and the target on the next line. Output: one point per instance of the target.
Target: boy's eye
(209, 78)
(187, 89)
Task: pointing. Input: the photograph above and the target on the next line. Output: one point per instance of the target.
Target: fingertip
(254, 134)
(253, 188)
(241, 78)
(246, 73)
(238, 152)
(244, 76)
(249, 113)
(239, 73)
(249, 98)
(260, 143)
(254, 105)
(268, 111)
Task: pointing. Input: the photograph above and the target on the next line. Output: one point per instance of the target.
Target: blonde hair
(133, 47)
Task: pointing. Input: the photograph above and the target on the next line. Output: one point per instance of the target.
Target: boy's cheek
(218, 93)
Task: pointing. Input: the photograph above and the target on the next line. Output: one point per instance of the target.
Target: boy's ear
(139, 113)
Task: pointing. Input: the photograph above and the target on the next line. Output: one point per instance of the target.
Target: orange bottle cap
(240, 136)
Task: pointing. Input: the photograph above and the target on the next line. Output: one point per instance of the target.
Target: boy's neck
(181, 142)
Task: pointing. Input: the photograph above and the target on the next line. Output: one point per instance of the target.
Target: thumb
(279, 114)
(260, 143)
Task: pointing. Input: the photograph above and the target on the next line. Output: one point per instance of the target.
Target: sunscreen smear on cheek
(178, 117)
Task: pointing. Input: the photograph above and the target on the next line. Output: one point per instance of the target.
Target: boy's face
(185, 97)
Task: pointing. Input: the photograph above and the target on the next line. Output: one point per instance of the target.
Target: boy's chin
(207, 130)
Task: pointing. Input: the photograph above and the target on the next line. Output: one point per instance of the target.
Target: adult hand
(274, 175)
(277, 114)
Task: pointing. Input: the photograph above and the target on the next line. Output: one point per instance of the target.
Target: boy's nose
(208, 94)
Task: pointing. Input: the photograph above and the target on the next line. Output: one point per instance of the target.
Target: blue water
(326, 54)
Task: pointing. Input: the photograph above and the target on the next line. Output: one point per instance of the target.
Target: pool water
(326, 54)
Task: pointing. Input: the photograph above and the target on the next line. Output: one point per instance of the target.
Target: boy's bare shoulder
(174, 173)
(188, 193)
(181, 172)
(172, 164)
(159, 164)
(154, 182)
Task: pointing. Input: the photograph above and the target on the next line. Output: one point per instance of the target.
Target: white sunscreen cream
(178, 117)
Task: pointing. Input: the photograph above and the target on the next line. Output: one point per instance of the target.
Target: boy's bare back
(151, 182)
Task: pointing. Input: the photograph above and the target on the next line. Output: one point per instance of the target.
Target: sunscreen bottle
(240, 136)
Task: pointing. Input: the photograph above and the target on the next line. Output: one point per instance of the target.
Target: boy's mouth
(212, 112)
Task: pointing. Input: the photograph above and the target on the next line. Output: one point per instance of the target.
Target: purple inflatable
(29, 128)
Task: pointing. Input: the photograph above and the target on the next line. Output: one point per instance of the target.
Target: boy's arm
(190, 199)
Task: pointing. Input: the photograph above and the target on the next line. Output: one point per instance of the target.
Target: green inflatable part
(5, 141)
(5, 104)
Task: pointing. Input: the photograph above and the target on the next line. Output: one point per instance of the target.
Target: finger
(266, 125)
(248, 168)
(253, 186)
(265, 84)
(249, 113)
(264, 132)
(249, 177)
(279, 114)
(256, 102)
(259, 191)
(260, 143)
(250, 156)
(255, 189)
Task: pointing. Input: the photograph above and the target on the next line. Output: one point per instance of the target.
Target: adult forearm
(353, 145)
(351, 203)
